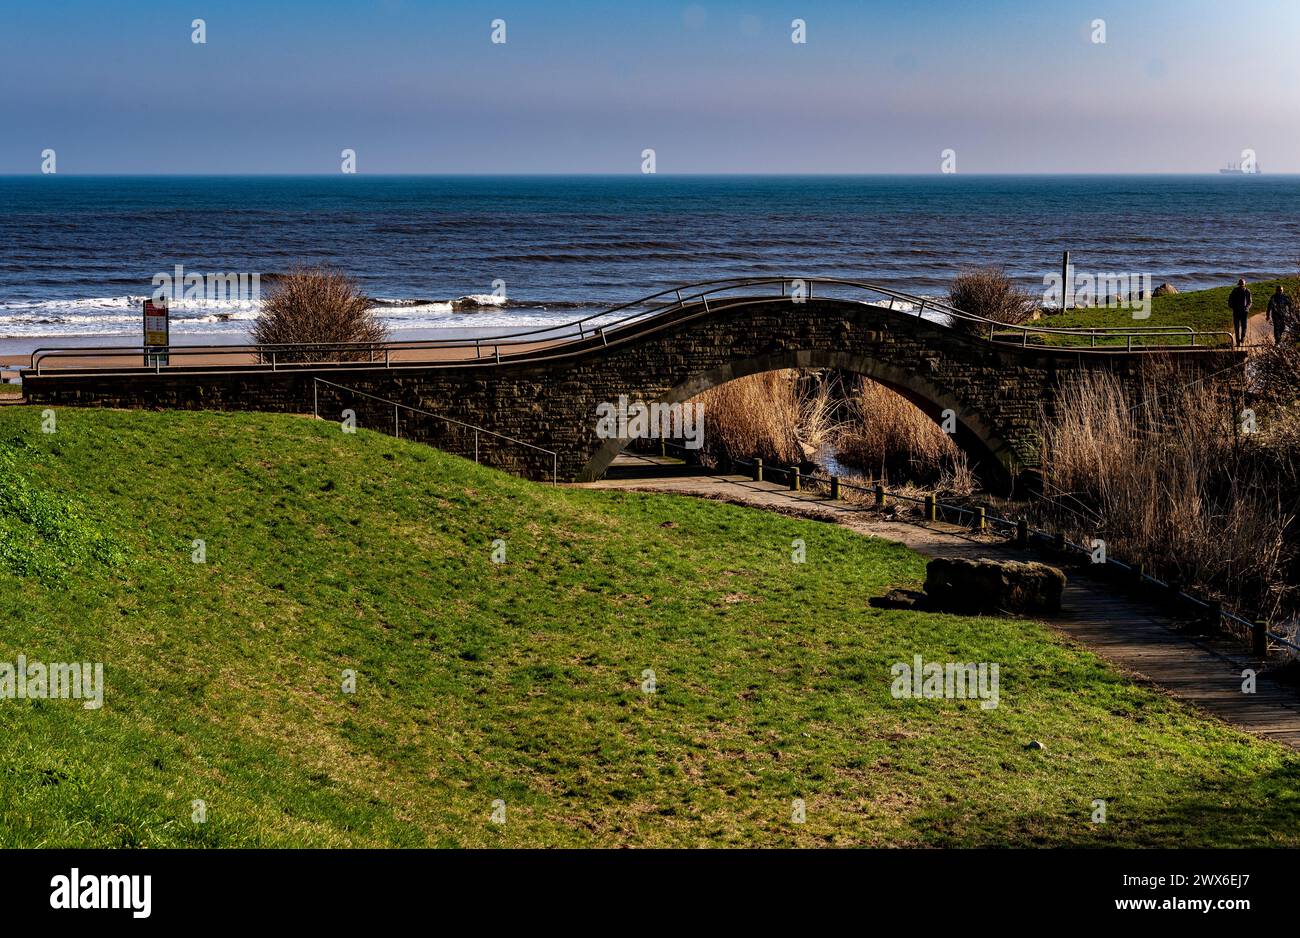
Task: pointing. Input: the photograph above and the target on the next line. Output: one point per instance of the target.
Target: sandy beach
(16, 354)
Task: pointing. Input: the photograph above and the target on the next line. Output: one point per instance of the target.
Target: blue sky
(416, 86)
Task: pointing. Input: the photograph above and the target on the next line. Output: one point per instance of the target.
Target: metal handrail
(697, 293)
(555, 457)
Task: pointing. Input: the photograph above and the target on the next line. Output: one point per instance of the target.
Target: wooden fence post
(758, 469)
(1259, 639)
(793, 475)
(835, 488)
(930, 513)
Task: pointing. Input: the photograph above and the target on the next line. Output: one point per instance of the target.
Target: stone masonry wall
(997, 392)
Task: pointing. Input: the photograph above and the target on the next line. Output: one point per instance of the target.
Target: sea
(79, 254)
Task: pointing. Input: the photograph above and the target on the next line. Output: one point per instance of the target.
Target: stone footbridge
(544, 388)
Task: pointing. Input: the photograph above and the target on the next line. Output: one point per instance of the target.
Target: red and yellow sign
(156, 332)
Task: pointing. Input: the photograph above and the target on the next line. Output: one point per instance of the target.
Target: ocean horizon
(473, 252)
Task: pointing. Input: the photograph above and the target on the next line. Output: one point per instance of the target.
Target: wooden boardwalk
(1133, 635)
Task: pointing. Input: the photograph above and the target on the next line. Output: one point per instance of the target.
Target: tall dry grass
(1164, 475)
(781, 416)
(889, 437)
(787, 417)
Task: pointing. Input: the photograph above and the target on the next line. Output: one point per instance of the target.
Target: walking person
(1279, 314)
(1239, 301)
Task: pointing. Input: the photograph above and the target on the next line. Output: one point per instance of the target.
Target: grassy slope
(1203, 310)
(521, 681)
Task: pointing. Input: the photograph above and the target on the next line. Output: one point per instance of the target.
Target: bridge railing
(708, 296)
(980, 520)
(486, 443)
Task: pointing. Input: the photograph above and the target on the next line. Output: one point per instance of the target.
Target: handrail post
(397, 431)
(981, 524)
(793, 476)
(880, 495)
(835, 488)
(758, 469)
(931, 510)
(1175, 591)
(1259, 639)
(1022, 533)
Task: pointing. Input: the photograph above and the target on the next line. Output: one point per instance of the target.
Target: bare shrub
(319, 306)
(989, 292)
(1275, 373)
(957, 479)
(887, 435)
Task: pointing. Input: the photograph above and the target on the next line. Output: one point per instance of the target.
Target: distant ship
(1234, 169)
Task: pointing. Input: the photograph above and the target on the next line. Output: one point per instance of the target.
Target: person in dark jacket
(1239, 301)
(1279, 313)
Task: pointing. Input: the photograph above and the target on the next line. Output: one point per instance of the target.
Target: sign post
(156, 333)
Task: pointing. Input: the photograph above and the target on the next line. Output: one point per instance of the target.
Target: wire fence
(981, 520)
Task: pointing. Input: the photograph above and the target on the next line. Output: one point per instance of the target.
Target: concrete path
(1133, 635)
(1259, 332)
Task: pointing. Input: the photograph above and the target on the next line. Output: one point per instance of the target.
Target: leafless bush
(1275, 373)
(319, 306)
(989, 292)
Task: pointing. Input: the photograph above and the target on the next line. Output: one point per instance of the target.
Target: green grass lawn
(521, 681)
(6, 388)
(1203, 310)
